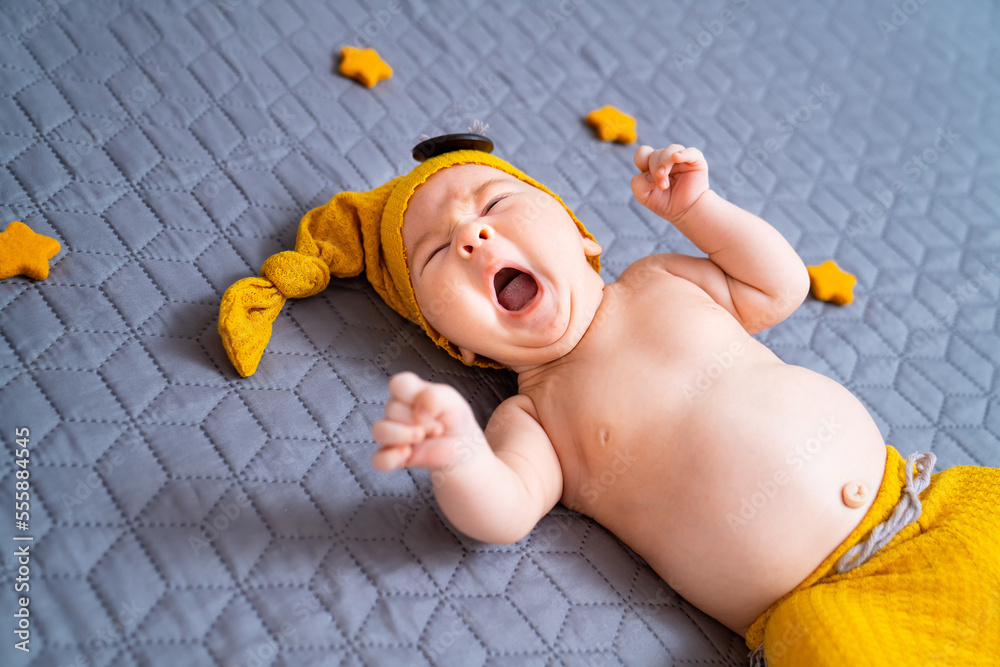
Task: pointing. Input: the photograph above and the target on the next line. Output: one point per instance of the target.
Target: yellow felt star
(25, 253)
(363, 65)
(612, 125)
(831, 283)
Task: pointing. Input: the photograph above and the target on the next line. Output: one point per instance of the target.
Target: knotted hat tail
(339, 238)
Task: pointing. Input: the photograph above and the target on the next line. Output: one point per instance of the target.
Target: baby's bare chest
(637, 385)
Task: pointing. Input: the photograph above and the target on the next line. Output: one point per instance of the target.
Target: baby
(646, 404)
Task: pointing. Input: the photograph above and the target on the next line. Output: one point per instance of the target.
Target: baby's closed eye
(493, 202)
(438, 250)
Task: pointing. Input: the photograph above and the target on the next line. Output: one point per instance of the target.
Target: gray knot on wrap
(907, 511)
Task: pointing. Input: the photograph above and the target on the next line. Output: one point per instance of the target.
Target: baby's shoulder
(518, 403)
(650, 271)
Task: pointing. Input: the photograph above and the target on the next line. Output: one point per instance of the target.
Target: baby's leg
(932, 598)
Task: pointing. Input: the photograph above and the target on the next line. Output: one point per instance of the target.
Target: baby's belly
(748, 499)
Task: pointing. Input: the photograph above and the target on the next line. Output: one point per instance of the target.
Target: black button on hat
(447, 143)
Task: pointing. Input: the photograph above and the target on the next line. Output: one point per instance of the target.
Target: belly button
(855, 494)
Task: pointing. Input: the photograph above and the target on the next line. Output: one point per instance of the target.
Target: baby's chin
(483, 359)
(523, 358)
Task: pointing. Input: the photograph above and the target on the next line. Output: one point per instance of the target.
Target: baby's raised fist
(670, 179)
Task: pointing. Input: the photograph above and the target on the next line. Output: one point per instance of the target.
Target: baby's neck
(586, 312)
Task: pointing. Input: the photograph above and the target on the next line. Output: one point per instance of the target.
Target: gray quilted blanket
(177, 514)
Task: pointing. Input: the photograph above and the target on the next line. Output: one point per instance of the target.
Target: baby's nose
(472, 237)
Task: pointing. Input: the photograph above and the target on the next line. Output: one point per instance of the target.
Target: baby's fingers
(641, 157)
(660, 164)
(642, 187)
(390, 458)
(405, 386)
(398, 411)
(691, 156)
(442, 405)
(386, 432)
(436, 407)
(432, 402)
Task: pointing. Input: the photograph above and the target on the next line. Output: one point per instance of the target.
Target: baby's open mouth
(514, 288)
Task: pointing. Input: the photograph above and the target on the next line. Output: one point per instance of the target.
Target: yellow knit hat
(353, 232)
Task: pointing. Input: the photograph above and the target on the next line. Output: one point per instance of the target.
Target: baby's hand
(671, 179)
(426, 425)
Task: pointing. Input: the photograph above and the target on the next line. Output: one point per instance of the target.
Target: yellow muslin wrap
(353, 232)
(931, 596)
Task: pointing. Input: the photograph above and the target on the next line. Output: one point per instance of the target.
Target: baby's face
(498, 266)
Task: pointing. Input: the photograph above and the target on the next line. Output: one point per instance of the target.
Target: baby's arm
(751, 270)
(493, 486)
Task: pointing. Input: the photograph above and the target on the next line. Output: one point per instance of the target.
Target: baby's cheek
(435, 302)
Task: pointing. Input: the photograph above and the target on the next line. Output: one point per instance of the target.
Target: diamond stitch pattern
(184, 516)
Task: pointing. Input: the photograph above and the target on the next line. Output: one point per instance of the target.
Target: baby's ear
(591, 248)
